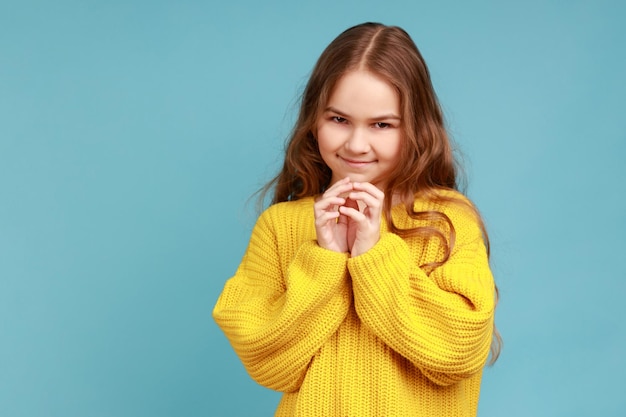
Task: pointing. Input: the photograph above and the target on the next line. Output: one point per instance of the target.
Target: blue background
(132, 134)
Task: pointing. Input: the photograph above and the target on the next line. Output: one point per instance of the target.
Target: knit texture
(375, 335)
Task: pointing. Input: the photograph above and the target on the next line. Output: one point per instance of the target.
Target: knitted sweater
(379, 334)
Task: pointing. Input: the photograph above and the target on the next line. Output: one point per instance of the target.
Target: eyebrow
(381, 117)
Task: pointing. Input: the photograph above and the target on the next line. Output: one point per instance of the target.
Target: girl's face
(359, 132)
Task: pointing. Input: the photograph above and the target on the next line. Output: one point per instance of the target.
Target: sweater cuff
(314, 265)
(373, 270)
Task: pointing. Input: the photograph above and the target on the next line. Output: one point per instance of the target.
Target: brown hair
(427, 164)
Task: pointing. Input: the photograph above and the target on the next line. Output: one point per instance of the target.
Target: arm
(441, 322)
(277, 320)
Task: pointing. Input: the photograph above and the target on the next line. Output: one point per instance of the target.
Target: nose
(358, 141)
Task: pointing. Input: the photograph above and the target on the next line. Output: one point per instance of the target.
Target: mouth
(356, 163)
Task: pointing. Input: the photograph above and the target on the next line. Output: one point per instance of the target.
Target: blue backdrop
(133, 132)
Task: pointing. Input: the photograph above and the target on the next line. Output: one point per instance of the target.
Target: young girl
(366, 289)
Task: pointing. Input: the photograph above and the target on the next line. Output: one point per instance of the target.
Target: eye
(338, 119)
(382, 125)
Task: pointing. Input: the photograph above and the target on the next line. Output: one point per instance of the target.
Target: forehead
(362, 92)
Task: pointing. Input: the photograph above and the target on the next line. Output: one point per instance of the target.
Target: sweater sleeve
(441, 322)
(276, 318)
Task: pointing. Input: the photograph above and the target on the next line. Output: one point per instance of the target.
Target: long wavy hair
(427, 164)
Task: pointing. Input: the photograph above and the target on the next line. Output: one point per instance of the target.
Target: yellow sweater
(374, 335)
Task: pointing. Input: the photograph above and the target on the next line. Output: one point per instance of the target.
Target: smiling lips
(355, 163)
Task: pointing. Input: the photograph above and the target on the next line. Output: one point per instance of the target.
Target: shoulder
(287, 224)
(287, 209)
(456, 207)
(450, 202)
(286, 213)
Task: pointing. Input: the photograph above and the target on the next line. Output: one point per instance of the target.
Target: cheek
(323, 144)
(326, 137)
(392, 149)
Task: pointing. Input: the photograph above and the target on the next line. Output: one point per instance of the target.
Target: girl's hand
(330, 225)
(363, 227)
